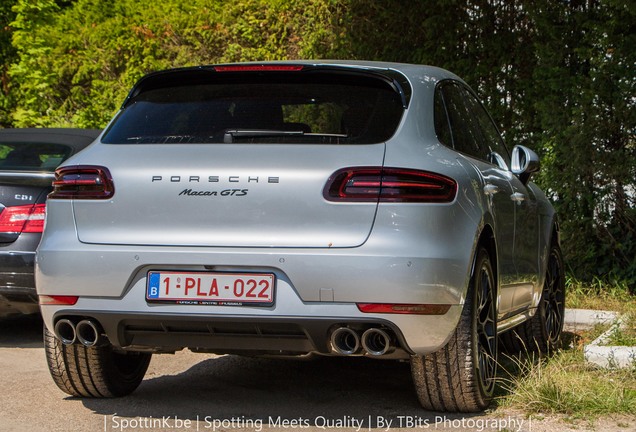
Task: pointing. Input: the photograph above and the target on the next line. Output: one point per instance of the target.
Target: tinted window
(472, 129)
(32, 157)
(312, 108)
(493, 143)
(466, 134)
(442, 128)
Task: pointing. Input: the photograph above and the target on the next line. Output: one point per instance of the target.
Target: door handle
(518, 197)
(491, 189)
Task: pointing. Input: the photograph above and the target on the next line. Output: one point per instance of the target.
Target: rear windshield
(32, 157)
(313, 108)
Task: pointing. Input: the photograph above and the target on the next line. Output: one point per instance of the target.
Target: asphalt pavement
(204, 392)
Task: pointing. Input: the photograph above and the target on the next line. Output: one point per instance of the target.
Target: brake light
(256, 68)
(82, 182)
(58, 300)
(411, 309)
(372, 184)
(26, 218)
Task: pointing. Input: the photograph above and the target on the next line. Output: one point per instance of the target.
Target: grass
(599, 295)
(626, 335)
(602, 295)
(565, 383)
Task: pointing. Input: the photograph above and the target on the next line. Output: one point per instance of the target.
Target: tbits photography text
(321, 423)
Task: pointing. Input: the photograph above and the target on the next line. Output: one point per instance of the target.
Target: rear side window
(442, 128)
(471, 129)
(303, 107)
(32, 157)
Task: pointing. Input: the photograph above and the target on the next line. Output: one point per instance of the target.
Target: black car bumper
(17, 282)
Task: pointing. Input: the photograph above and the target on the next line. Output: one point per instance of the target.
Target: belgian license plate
(214, 289)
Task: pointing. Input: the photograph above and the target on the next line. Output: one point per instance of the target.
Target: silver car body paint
(326, 256)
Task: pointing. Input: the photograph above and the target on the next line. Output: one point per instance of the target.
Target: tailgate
(227, 195)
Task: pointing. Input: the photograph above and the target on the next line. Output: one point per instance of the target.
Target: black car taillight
(82, 182)
(24, 218)
(372, 184)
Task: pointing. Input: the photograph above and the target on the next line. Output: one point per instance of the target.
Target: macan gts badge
(338, 208)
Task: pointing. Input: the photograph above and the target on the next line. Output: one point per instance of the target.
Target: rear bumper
(315, 291)
(408, 259)
(268, 334)
(17, 283)
(226, 334)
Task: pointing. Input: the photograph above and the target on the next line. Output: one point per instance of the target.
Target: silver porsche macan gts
(286, 208)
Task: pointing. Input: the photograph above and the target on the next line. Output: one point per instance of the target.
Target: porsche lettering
(214, 179)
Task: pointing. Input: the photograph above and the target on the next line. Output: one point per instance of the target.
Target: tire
(461, 376)
(542, 333)
(95, 372)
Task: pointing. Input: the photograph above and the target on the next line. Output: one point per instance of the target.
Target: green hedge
(557, 76)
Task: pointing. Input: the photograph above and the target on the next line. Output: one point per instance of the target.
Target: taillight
(25, 218)
(257, 68)
(82, 182)
(372, 184)
(58, 300)
(408, 309)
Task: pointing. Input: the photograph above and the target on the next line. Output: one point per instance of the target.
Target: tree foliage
(7, 55)
(557, 76)
(587, 112)
(78, 60)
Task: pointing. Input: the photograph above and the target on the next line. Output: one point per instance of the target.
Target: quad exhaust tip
(377, 342)
(374, 341)
(86, 332)
(345, 341)
(65, 331)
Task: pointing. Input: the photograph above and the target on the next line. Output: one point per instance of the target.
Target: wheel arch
(487, 240)
(556, 230)
(550, 234)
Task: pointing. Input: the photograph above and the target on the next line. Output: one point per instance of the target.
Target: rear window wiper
(229, 135)
(167, 139)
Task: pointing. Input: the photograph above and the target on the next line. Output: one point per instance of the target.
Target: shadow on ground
(21, 331)
(317, 391)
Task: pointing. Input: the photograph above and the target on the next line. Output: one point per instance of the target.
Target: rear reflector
(373, 184)
(82, 182)
(58, 300)
(413, 309)
(19, 219)
(256, 68)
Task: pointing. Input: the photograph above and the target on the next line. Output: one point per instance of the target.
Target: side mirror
(525, 162)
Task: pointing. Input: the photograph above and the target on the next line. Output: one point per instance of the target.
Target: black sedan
(28, 158)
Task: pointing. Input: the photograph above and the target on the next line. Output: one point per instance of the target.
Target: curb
(585, 319)
(608, 357)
